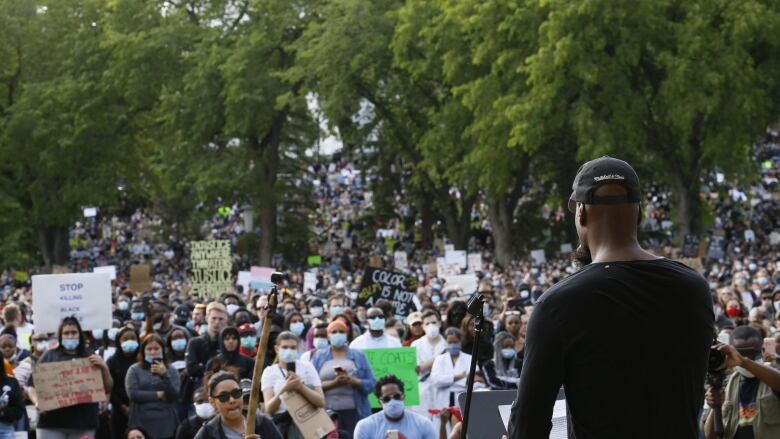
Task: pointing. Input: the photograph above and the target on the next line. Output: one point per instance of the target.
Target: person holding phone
(153, 388)
(289, 374)
(346, 377)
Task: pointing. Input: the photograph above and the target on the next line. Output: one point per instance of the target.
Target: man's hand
(714, 399)
(733, 358)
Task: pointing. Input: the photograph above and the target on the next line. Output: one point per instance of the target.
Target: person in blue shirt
(389, 390)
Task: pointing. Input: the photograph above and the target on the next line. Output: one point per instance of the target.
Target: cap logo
(609, 177)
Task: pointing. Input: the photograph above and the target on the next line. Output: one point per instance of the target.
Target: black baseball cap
(600, 172)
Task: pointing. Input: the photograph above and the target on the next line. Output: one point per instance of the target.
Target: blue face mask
(336, 310)
(296, 328)
(454, 348)
(435, 299)
(137, 316)
(129, 346)
(393, 409)
(507, 353)
(70, 344)
(112, 333)
(376, 324)
(320, 343)
(179, 344)
(190, 324)
(123, 305)
(338, 339)
(97, 334)
(288, 355)
(249, 342)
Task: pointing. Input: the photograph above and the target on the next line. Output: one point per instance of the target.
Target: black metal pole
(472, 372)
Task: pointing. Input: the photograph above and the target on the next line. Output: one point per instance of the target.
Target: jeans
(6, 430)
(63, 433)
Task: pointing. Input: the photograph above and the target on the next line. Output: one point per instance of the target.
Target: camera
(716, 360)
(278, 277)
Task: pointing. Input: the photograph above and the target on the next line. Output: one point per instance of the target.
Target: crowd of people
(175, 365)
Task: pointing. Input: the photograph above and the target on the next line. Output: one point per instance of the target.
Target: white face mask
(232, 308)
(205, 410)
(777, 304)
(432, 330)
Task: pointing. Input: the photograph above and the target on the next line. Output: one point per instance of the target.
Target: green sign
(399, 362)
(314, 260)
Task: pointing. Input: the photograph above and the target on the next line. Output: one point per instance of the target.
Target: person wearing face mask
(289, 374)
(346, 377)
(750, 397)
(153, 388)
(449, 370)
(248, 340)
(183, 318)
(375, 337)
(122, 311)
(503, 370)
(232, 304)
(204, 411)
(319, 340)
(389, 390)
(428, 347)
(229, 355)
(137, 315)
(81, 419)
(293, 322)
(118, 364)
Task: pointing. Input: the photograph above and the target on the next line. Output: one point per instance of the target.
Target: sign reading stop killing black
(398, 288)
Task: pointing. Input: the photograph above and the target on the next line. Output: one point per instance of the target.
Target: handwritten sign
(66, 383)
(84, 295)
(475, 262)
(398, 288)
(399, 260)
(211, 267)
(399, 362)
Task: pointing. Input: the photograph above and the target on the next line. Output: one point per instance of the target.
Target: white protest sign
(456, 257)
(90, 212)
(538, 256)
(566, 248)
(467, 282)
(244, 278)
(475, 262)
(449, 247)
(399, 260)
(110, 269)
(85, 295)
(310, 281)
(445, 269)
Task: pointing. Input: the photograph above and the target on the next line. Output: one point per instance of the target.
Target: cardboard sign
(399, 362)
(66, 383)
(212, 267)
(399, 260)
(140, 278)
(456, 257)
(375, 261)
(398, 288)
(312, 422)
(475, 262)
(84, 295)
(110, 269)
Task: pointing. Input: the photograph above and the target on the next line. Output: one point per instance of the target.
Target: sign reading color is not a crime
(212, 267)
(398, 288)
(84, 295)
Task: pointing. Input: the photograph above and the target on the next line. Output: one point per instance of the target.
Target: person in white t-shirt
(428, 347)
(375, 337)
(289, 374)
(449, 371)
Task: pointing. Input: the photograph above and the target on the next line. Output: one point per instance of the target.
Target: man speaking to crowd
(628, 336)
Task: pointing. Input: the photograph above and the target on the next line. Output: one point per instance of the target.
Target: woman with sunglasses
(153, 389)
(346, 377)
(226, 396)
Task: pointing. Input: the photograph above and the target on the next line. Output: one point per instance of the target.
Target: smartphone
(339, 369)
(147, 303)
(770, 346)
(515, 303)
(291, 367)
(393, 434)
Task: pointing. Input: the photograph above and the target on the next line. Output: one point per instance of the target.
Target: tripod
(474, 305)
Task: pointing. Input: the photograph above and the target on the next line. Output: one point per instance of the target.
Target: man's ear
(583, 220)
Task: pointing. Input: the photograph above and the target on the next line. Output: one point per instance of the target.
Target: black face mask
(582, 255)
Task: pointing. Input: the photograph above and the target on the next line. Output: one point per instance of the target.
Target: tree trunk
(54, 245)
(427, 218)
(457, 217)
(268, 231)
(500, 212)
(687, 205)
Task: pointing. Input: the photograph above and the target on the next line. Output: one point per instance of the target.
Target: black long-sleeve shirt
(15, 408)
(629, 341)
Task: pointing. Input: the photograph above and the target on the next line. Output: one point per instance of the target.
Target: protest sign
(66, 383)
(448, 248)
(310, 281)
(399, 260)
(211, 267)
(475, 262)
(398, 288)
(21, 276)
(538, 256)
(467, 282)
(566, 248)
(110, 269)
(312, 422)
(456, 257)
(375, 261)
(260, 279)
(140, 278)
(400, 362)
(84, 295)
(314, 260)
(445, 269)
(243, 279)
(90, 212)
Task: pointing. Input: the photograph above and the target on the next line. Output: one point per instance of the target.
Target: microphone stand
(475, 309)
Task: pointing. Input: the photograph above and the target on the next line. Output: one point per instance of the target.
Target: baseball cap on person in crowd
(600, 172)
(414, 317)
(182, 313)
(247, 328)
